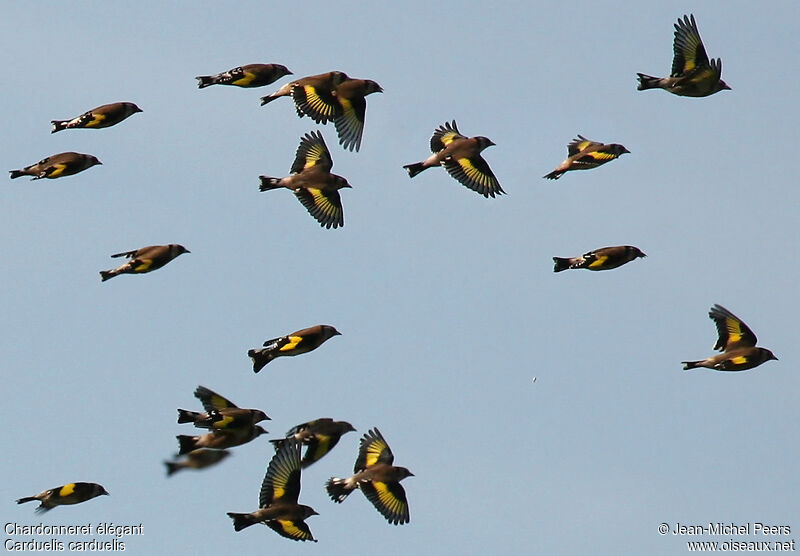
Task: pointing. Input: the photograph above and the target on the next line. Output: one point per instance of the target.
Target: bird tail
(554, 175)
(186, 444)
(414, 169)
(268, 183)
(241, 521)
(172, 467)
(260, 358)
(186, 416)
(560, 264)
(690, 365)
(26, 499)
(267, 99)
(647, 82)
(58, 125)
(338, 489)
(107, 274)
(17, 174)
(204, 81)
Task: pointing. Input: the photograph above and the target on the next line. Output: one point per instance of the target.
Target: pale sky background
(447, 301)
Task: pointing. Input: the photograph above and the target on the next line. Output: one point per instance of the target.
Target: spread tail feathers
(204, 81)
(337, 489)
(268, 183)
(186, 444)
(241, 521)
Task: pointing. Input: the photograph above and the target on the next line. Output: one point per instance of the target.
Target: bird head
(259, 415)
(484, 142)
(93, 160)
(308, 511)
(372, 87)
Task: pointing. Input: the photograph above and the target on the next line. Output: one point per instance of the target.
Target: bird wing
(282, 481)
(211, 400)
(318, 445)
(732, 332)
(474, 173)
(444, 135)
(312, 153)
(350, 122)
(579, 144)
(389, 499)
(316, 101)
(373, 449)
(325, 205)
(295, 529)
(689, 50)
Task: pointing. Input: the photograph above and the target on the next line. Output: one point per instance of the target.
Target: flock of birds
(335, 97)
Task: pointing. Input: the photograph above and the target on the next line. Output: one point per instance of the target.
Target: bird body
(57, 166)
(312, 182)
(693, 74)
(296, 343)
(219, 439)
(247, 76)
(220, 414)
(197, 459)
(145, 259)
(278, 506)
(377, 478)
(71, 493)
(604, 258)
(583, 154)
(319, 435)
(96, 118)
(736, 342)
(461, 157)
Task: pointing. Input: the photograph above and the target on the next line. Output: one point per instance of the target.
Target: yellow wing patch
(292, 530)
(96, 120)
(598, 155)
(245, 80)
(449, 137)
(473, 173)
(739, 360)
(58, 169)
(293, 342)
(224, 422)
(143, 265)
(317, 103)
(374, 451)
(66, 490)
(734, 330)
(599, 262)
(387, 499)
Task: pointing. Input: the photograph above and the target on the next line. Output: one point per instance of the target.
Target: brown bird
(312, 182)
(693, 74)
(71, 493)
(219, 439)
(145, 259)
(313, 95)
(277, 501)
(301, 341)
(604, 258)
(349, 118)
(461, 157)
(57, 166)
(377, 478)
(197, 459)
(247, 76)
(583, 154)
(96, 118)
(320, 435)
(736, 342)
(221, 413)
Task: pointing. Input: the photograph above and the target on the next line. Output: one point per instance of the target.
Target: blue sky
(446, 301)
